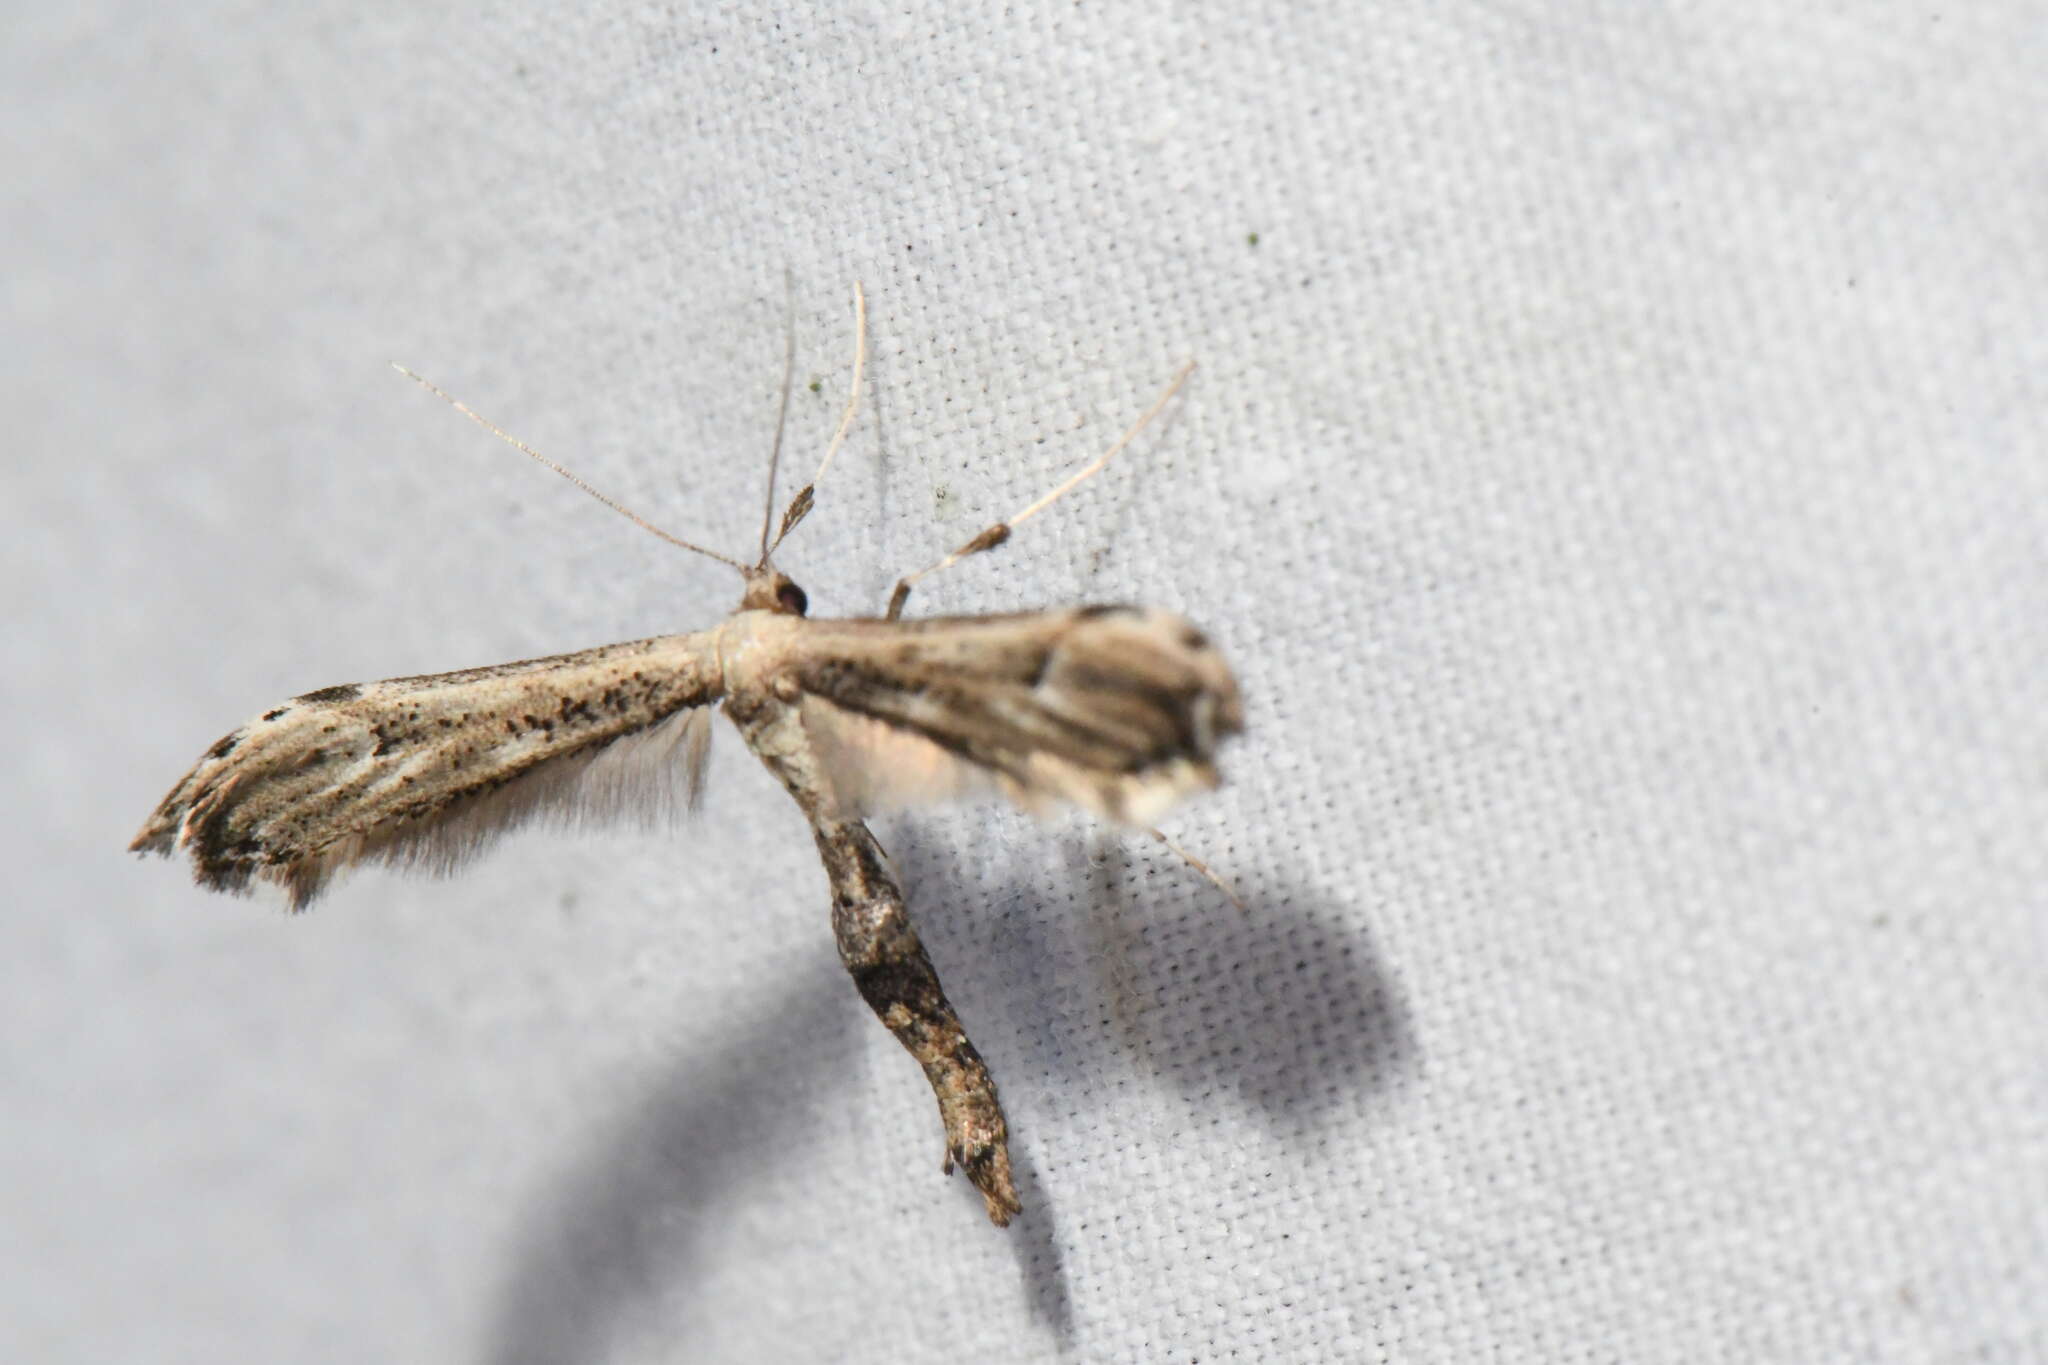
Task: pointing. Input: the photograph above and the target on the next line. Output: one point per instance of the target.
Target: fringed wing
(1115, 709)
(424, 772)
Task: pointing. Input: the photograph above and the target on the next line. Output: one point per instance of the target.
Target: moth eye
(792, 599)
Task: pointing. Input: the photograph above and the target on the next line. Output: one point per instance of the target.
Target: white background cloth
(1615, 471)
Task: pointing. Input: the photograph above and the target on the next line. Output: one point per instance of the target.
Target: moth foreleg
(889, 966)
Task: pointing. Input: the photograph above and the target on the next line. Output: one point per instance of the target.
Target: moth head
(770, 589)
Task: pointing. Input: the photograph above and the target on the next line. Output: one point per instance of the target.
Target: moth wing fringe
(650, 777)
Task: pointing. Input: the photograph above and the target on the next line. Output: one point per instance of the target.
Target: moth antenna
(782, 407)
(525, 449)
(800, 505)
(1198, 865)
(995, 535)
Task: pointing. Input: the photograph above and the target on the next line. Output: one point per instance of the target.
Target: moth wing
(1115, 709)
(425, 772)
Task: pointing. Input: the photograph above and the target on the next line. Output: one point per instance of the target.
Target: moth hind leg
(1215, 880)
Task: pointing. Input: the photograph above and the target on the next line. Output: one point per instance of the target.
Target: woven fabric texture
(1614, 468)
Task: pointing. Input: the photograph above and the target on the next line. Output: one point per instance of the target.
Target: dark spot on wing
(277, 712)
(226, 745)
(222, 859)
(327, 696)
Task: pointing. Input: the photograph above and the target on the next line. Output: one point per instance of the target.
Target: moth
(1116, 709)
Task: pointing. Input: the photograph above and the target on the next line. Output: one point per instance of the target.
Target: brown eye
(792, 599)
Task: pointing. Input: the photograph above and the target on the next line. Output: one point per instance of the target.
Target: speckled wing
(1115, 709)
(425, 771)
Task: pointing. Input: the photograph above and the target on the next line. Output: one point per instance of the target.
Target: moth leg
(889, 966)
(1229, 892)
(1000, 532)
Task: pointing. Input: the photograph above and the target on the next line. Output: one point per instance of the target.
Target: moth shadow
(613, 1242)
(1035, 1242)
(1285, 1009)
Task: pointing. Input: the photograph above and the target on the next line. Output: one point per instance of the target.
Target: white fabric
(1615, 470)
